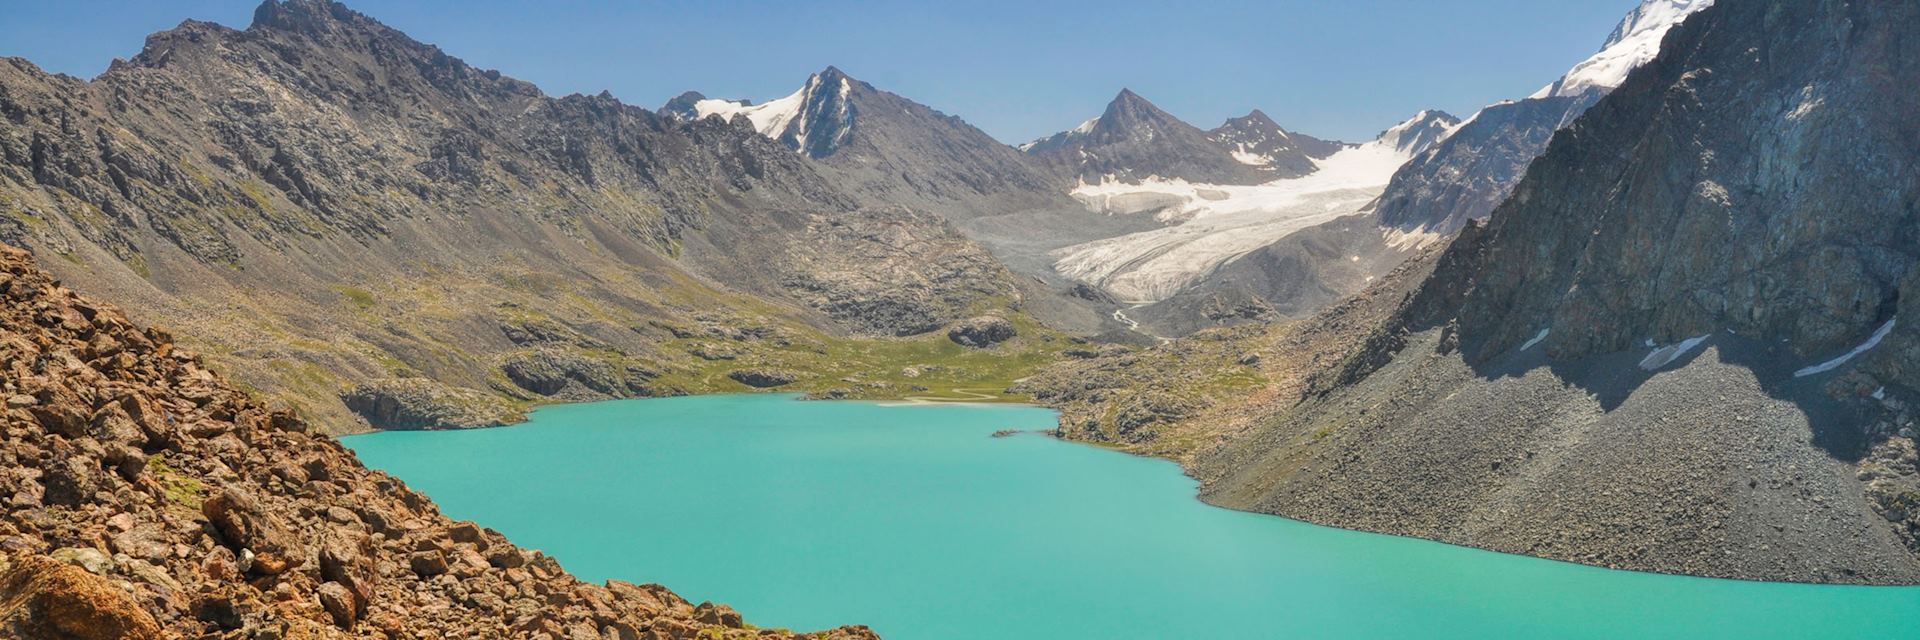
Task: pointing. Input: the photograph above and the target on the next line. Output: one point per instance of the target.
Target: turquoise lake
(911, 519)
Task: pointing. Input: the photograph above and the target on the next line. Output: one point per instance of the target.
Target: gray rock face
(984, 331)
(418, 403)
(1718, 193)
(561, 373)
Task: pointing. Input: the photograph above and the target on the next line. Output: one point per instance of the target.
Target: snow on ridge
(1872, 341)
(775, 118)
(1633, 43)
(770, 118)
(1082, 129)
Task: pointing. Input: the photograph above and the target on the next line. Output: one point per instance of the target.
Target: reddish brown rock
(40, 598)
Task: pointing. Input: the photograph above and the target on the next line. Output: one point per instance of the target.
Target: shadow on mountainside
(1839, 427)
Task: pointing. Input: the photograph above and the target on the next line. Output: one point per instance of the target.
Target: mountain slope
(193, 511)
(1465, 177)
(328, 207)
(1676, 347)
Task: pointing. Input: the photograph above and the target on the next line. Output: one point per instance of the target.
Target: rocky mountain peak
(683, 106)
(1129, 115)
(1134, 140)
(310, 17)
(1254, 118)
(1257, 141)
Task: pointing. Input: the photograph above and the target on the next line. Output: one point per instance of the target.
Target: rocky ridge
(146, 497)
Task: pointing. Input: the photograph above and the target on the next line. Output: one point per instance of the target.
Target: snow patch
(1536, 339)
(1835, 363)
(1880, 393)
(1664, 356)
(1252, 159)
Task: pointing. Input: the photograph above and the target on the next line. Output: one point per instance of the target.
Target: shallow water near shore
(910, 518)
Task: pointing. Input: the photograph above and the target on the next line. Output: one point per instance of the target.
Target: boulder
(43, 598)
(763, 377)
(248, 529)
(981, 332)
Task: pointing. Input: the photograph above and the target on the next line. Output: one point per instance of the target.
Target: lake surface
(911, 519)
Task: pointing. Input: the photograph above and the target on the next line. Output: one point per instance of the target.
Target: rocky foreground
(146, 497)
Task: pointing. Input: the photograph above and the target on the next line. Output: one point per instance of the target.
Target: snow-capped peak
(789, 120)
(1633, 43)
(1415, 134)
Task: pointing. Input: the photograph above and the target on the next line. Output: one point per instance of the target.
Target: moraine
(911, 518)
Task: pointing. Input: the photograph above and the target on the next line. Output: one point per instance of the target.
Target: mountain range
(1677, 346)
(1649, 317)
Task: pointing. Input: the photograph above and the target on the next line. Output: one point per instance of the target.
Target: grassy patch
(181, 490)
(361, 299)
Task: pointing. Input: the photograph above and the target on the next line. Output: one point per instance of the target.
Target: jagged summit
(316, 18)
(1133, 140)
(816, 120)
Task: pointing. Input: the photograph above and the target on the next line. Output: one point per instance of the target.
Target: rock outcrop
(763, 377)
(419, 403)
(982, 332)
(207, 514)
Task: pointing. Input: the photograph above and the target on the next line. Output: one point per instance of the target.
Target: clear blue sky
(1021, 69)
